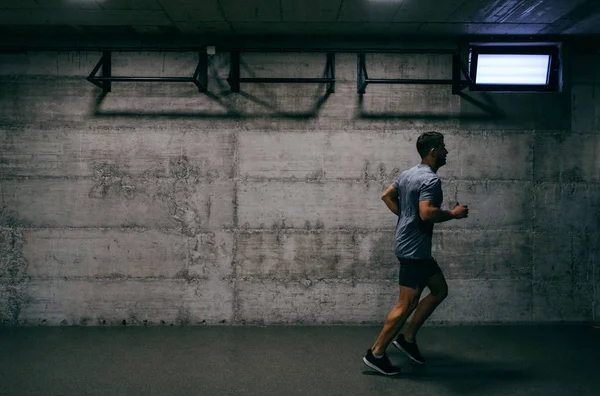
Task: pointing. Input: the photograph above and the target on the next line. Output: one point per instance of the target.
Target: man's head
(432, 149)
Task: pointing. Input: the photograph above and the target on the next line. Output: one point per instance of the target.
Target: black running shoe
(409, 348)
(383, 365)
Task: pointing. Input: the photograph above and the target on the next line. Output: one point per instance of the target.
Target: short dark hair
(427, 141)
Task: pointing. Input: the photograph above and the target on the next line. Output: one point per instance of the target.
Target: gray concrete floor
(282, 360)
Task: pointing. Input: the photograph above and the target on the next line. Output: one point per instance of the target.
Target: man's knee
(438, 286)
(403, 305)
(440, 293)
(406, 301)
(413, 305)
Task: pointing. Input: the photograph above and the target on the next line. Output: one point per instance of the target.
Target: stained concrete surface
(157, 204)
(296, 360)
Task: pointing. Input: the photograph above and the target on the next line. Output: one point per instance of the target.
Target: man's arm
(429, 212)
(390, 197)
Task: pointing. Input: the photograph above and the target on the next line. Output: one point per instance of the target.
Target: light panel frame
(552, 50)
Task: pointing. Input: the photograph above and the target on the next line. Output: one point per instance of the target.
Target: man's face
(440, 154)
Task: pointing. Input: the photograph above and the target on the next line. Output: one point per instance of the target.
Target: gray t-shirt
(413, 235)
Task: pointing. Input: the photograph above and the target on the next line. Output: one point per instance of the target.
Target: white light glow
(512, 69)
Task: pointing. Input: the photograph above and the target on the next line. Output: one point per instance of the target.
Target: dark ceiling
(97, 18)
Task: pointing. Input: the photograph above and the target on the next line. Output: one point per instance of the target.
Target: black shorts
(416, 272)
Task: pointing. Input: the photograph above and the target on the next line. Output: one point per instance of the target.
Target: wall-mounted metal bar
(103, 82)
(91, 78)
(341, 50)
(234, 78)
(362, 77)
(234, 71)
(286, 80)
(406, 81)
(199, 78)
(107, 70)
(143, 79)
(457, 84)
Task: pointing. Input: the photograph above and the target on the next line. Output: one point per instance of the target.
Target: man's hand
(460, 211)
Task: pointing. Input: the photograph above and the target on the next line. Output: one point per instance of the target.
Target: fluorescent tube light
(518, 69)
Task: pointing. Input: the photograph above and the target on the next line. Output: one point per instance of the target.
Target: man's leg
(396, 318)
(439, 290)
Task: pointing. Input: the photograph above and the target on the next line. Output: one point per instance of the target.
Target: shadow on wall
(491, 112)
(230, 114)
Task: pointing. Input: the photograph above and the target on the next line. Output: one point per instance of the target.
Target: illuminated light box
(514, 68)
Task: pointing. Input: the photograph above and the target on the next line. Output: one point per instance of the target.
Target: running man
(416, 198)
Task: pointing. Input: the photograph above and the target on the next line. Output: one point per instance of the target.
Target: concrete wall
(159, 205)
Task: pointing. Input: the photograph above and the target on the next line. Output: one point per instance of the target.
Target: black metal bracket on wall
(234, 78)
(200, 77)
(457, 66)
